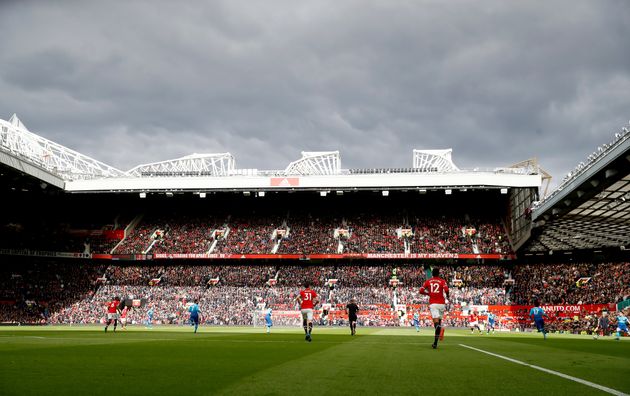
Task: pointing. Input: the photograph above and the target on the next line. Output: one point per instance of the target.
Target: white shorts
(473, 324)
(437, 310)
(112, 316)
(307, 314)
(123, 320)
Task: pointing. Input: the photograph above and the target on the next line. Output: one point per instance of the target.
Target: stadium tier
(52, 292)
(286, 226)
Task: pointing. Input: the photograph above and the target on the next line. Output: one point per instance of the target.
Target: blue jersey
(537, 313)
(193, 309)
(150, 313)
(268, 317)
(622, 322)
(491, 317)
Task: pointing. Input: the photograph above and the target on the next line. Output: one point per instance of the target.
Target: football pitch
(244, 361)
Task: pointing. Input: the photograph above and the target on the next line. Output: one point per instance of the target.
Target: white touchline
(581, 381)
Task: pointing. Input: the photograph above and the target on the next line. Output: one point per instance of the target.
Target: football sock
(438, 328)
(304, 324)
(196, 327)
(115, 324)
(310, 328)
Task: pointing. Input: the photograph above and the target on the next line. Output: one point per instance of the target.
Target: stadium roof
(591, 207)
(75, 172)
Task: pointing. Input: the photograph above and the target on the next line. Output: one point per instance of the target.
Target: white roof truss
(316, 163)
(221, 164)
(68, 164)
(434, 160)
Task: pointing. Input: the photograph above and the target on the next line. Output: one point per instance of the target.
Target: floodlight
(322, 193)
(504, 191)
(385, 193)
(261, 193)
(247, 193)
(339, 192)
(448, 192)
(202, 195)
(143, 195)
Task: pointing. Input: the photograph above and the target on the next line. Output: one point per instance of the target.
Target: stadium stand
(50, 292)
(94, 213)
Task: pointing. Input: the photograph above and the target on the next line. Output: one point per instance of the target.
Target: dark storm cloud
(497, 81)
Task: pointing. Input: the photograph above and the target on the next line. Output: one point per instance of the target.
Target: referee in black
(351, 310)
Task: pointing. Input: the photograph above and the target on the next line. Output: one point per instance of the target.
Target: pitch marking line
(575, 379)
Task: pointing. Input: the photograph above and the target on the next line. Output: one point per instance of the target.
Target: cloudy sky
(497, 81)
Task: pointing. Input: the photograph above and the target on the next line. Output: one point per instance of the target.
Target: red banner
(552, 310)
(376, 256)
(114, 234)
(107, 234)
(202, 256)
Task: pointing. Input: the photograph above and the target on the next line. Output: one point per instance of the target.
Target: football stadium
(194, 276)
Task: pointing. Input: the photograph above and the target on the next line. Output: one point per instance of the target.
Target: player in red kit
(123, 317)
(307, 300)
(112, 313)
(437, 290)
(473, 322)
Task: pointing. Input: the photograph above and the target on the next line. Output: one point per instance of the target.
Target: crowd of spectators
(139, 239)
(452, 235)
(375, 234)
(311, 235)
(188, 234)
(73, 292)
(490, 238)
(300, 233)
(249, 235)
(30, 293)
(571, 283)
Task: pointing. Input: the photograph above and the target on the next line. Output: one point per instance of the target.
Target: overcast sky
(497, 81)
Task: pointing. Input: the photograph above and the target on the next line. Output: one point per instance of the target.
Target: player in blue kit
(622, 325)
(416, 321)
(491, 319)
(150, 318)
(538, 314)
(268, 321)
(194, 314)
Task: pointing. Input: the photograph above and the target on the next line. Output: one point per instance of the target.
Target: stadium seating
(72, 292)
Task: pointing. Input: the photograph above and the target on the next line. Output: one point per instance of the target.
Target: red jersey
(308, 296)
(436, 289)
(124, 313)
(112, 307)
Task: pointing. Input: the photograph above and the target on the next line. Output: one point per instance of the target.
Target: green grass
(243, 361)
